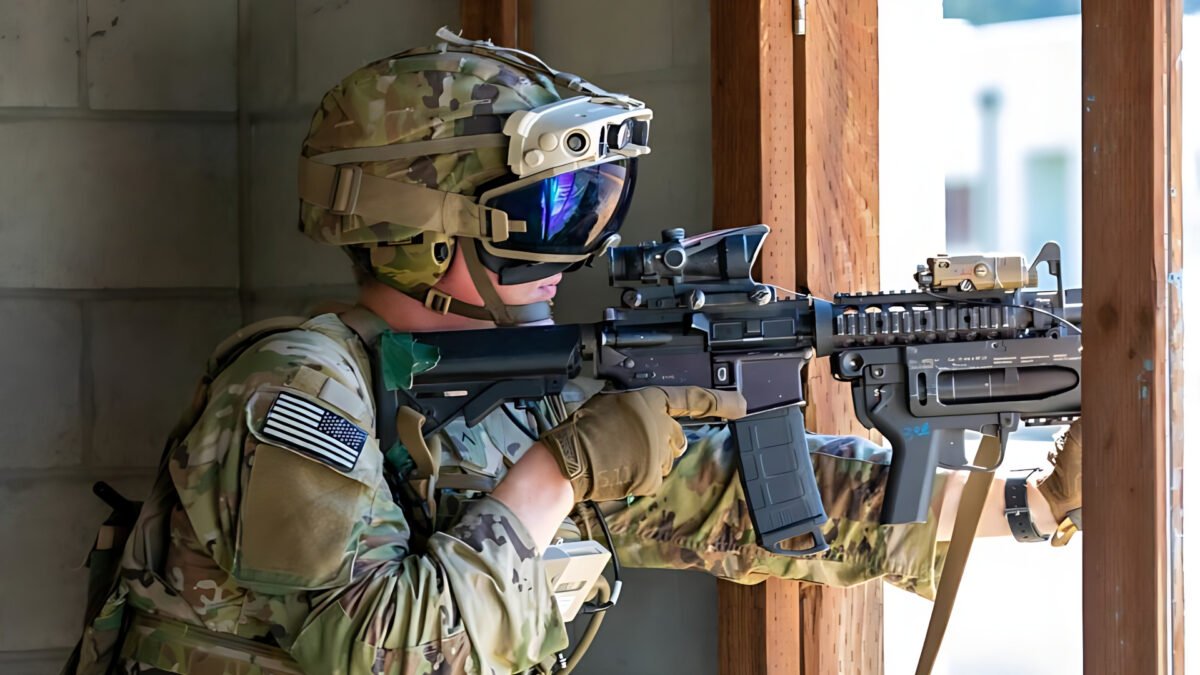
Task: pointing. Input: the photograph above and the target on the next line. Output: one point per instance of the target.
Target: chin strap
(491, 297)
(500, 313)
(442, 303)
(493, 308)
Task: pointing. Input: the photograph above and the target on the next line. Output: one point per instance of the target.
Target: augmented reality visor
(566, 216)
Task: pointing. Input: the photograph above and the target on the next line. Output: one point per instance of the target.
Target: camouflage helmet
(401, 153)
(418, 95)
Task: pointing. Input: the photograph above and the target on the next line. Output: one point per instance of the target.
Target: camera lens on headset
(576, 141)
(619, 135)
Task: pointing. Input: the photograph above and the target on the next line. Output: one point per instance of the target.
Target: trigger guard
(964, 465)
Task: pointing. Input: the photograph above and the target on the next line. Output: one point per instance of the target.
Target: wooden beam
(754, 181)
(1131, 247)
(837, 94)
(795, 133)
(754, 170)
(1175, 373)
(495, 20)
(525, 25)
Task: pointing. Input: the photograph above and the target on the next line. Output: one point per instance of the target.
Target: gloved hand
(1063, 488)
(623, 444)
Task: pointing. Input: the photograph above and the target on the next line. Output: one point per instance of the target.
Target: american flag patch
(325, 435)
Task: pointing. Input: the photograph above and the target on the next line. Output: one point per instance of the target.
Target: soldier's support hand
(1063, 488)
(622, 444)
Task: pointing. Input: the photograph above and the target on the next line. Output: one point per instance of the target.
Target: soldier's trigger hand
(622, 444)
(700, 402)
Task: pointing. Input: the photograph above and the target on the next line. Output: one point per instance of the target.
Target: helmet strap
(499, 311)
(493, 309)
(442, 303)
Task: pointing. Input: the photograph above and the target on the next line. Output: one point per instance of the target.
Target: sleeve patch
(319, 433)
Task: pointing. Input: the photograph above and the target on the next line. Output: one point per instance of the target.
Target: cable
(557, 406)
(512, 417)
(606, 598)
(543, 422)
(589, 633)
(616, 565)
(779, 289)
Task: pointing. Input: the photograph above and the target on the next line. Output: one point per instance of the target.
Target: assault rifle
(974, 348)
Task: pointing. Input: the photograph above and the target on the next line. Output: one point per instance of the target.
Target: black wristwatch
(1016, 509)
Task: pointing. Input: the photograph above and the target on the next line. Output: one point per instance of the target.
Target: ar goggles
(577, 131)
(567, 218)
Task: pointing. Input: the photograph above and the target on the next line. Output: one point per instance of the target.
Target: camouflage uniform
(253, 557)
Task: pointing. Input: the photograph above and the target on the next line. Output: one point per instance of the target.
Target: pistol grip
(910, 476)
(778, 480)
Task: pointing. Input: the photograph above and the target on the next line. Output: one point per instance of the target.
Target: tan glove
(1063, 488)
(623, 444)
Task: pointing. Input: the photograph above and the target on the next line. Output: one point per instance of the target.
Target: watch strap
(1016, 510)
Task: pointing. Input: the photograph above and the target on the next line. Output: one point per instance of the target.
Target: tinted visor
(571, 213)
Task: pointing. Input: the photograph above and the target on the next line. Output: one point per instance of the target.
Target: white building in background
(980, 150)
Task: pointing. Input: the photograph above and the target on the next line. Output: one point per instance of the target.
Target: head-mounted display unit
(574, 163)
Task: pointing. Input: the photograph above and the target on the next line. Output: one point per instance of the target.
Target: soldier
(280, 538)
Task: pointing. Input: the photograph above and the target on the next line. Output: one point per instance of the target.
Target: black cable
(512, 417)
(543, 422)
(1052, 315)
(616, 565)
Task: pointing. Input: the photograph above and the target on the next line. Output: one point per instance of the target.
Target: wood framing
(837, 160)
(795, 145)
(508, 23)
(1131, 248)
(754, 181)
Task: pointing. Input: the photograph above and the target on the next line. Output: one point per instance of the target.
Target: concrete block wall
(119, 271)
(298, 49)
(148, 208)
(657, 51)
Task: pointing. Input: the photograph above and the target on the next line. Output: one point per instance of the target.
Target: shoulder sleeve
(289, 512)
(274, 470)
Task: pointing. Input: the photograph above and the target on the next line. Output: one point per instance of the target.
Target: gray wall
(147, 209)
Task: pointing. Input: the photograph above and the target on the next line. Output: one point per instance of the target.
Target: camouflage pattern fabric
(418, 95)
(699, 520)
(248, 538)
(254, 559)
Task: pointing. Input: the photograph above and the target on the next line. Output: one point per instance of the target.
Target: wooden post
(754, 181)
(837, 89)
(508, 23)
(1131, 250)
(795, 145)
